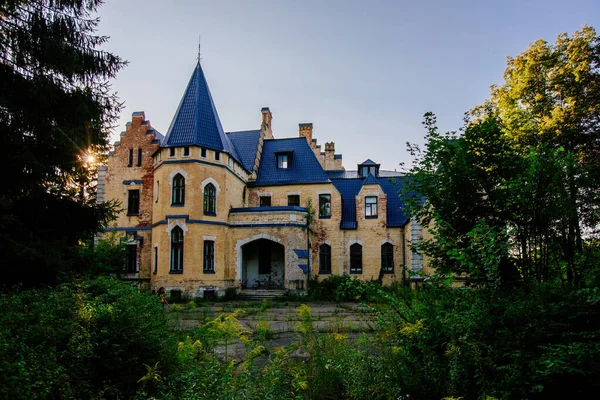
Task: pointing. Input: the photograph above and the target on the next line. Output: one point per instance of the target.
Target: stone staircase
(260, 294)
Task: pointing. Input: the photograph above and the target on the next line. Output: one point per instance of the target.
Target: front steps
(260, 294)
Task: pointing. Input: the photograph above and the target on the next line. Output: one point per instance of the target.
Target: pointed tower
(196, 121)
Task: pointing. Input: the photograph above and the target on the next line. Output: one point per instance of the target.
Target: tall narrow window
(186, 151)
(203, 152)
(210, 199)
(265, 201)
(139, 158)
(294, 200)
(324, 259)
(157, 191)
(356, 259)
(387, 258)
(177, 250)
(209, 256)
(172, 152)
(217, 156)
(324, 206)
(371, 207)
(130, 158)
(155, 260)
(178, 198)
(133, 202)
(131, 259)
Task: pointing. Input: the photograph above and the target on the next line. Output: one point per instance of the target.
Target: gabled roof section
(246, 145)
(368, 161)
(349, 185)
(196, 121)
(302, 168)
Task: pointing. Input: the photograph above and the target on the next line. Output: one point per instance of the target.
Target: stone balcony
(274, 216)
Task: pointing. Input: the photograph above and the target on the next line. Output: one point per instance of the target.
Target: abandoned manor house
(204, 210)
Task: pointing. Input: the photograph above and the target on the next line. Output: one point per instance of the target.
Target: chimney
(137, 118)
(306, 132)
(329, 147)
(267, 117)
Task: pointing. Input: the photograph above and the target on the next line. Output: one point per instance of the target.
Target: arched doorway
(263, 265)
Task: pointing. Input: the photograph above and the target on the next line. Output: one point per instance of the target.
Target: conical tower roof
(196, 121)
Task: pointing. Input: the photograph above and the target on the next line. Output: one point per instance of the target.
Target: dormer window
(284, 159)
(368, 167)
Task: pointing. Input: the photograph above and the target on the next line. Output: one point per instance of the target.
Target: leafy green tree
(55, 110)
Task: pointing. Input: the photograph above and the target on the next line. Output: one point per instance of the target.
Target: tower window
(172, 152)
(209, 256)
(178, 198)
(217, 156)
(186, 151)
(203, 152)
(139, 157)
(210, 199)
(177, 250)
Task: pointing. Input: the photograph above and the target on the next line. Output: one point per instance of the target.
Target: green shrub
(84, 340)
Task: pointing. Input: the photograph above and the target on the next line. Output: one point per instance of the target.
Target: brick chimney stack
(267, 117)
(306, 132)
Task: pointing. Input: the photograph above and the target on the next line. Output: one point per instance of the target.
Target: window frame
(203, 152)
(283, 160)
(186, 151)
(178, 191)
(208, 255)
(325, 259)
(139, 157)
(210, 199)
(177, 242)
(217, 156)
(356, 265)
(172, 152)
(297, 196)
(130, 158)
(387, 258)
(325, 205)
(133, 209)
(371, 208)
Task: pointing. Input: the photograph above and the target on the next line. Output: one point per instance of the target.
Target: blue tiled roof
(349, 186)
(196, 121)
(337, 174)
(246, 144)
(303, 167)
(301, 253)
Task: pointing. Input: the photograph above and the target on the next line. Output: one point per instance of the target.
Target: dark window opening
(387, 258)
(294, 200)
(139, 158)
(177, 250)
(175, 295)
(133, 202)
(210, 199)
(130, 158)
(324, 259)
(324, 206)
(172, 152)
(209, 256)
(264, 258)
(155, 260)
(186, 151)
(265, 201)
(371, 207)
(366, 170)
(178, 198)
(131, 259)
(356, 259)
(203, 153)
(217, 156)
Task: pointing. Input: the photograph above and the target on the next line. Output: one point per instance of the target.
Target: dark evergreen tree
(56, 107)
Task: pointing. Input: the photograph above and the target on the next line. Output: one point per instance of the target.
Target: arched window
(356, 259)
(387, 258)
(178, 198)
(210, 199)
(177, 250)
(324, 259)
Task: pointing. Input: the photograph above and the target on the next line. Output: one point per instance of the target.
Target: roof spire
(199, 42)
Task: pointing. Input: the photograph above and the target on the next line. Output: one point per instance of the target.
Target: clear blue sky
(363, 72)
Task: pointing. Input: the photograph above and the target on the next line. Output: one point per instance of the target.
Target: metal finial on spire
(199, 42)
